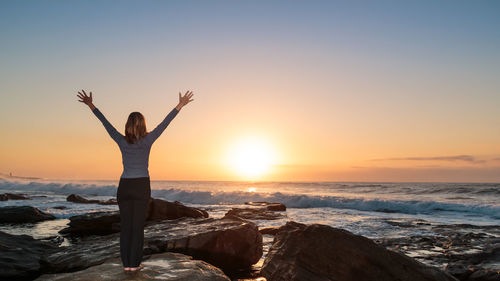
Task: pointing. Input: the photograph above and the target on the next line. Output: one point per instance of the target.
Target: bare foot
(135, 269)
(127, 268)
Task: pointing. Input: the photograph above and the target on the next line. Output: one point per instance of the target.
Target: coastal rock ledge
(165, 266)
(229, 243)
(320, 252)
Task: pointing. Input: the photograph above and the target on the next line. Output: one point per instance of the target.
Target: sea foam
(291, 200)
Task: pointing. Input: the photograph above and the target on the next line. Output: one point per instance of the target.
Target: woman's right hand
(183, 100)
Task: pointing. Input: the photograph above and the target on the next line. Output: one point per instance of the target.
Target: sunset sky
(329, 90)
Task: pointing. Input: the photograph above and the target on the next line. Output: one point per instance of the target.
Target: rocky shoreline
(466, 251)
(185, 243)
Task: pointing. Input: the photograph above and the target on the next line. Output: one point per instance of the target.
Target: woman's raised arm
(115, 135)
(156, 132)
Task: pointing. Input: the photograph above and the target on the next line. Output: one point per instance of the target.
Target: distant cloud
(429, 166)
(454, 158)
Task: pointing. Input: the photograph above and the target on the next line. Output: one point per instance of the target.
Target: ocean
(375, 210)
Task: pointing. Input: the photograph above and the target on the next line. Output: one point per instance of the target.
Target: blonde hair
(135, 128)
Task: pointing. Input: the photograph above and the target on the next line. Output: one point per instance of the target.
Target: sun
(251, 157)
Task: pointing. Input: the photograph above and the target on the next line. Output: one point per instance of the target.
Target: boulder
(276, 207)
(75, 198)
(320, 252)
(13, 196)
(23, 214)
(162, 209)
(269, 205)
(229, 243)
(255, 214)
(20, 256)
(165, 266)
(97, 223)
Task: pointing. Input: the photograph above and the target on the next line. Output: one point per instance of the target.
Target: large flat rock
(165, 266)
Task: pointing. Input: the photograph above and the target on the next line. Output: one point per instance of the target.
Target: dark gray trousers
(132, 195)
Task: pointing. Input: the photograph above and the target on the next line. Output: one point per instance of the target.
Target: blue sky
(333, 83)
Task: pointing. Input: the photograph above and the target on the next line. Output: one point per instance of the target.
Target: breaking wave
(240, 197)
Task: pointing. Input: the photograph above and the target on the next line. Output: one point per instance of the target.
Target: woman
(134, 188)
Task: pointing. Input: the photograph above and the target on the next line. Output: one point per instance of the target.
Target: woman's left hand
(86, 99)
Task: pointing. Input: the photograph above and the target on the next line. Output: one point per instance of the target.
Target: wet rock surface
(320, 252)
(20, 256)
(23, 214)
(484, 275)
(467, 252)
(255, 213)
(164, 266)
(268, 205)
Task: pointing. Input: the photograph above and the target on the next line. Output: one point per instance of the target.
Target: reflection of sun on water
(251, 189)
(251, 157)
